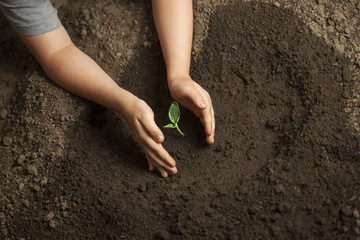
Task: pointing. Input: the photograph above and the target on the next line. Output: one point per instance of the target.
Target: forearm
(76, 72)
(73, 70)
(174, 24)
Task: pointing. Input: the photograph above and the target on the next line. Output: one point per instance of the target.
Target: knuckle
(141, 102)
(138, 103)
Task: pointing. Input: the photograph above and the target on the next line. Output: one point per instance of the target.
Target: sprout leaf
(174, 116)
(170, 125)
(174, 113)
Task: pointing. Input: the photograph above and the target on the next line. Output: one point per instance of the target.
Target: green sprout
(174, 116)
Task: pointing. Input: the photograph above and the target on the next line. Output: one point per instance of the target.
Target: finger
(207, 120)
(150, 146)
(161, 154)
(163, 172)
(210, 138)
(194, 96)
(160, 161)
(151, 128)
(153, 148)
(151, 165)
(213, 122)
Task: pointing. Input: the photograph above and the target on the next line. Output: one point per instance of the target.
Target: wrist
(124, 102)
(177, 78)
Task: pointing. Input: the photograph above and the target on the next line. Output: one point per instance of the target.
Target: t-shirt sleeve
(30, 17)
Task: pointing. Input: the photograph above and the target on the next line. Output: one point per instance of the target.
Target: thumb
(195, 96)
(152, 129)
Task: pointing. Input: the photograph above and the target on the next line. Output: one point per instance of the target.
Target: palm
(192, 96)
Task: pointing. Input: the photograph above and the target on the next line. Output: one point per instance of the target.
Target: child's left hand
(192, 96)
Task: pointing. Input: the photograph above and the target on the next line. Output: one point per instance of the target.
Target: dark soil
(285, 164)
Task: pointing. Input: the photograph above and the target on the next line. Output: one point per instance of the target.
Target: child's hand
(146, 133)
(192, 96)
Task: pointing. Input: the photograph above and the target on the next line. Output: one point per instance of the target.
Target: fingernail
(174, 171)
(160, 138)
(202, 104)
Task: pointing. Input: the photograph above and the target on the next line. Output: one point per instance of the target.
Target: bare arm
(174, 24)
(75, 71)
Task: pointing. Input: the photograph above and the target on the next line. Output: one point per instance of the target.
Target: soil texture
(285, 163)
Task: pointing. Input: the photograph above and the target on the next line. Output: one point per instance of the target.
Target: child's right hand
(147, 134)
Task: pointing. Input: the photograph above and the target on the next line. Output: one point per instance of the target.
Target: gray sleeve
(30, 17)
